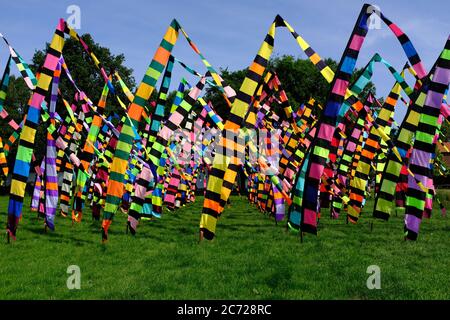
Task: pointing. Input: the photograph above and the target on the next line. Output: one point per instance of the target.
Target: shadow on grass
(55, 235)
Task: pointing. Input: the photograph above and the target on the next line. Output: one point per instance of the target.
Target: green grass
(251, 258)
(444, 195)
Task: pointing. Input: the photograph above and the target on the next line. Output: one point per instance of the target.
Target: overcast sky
(230, 32)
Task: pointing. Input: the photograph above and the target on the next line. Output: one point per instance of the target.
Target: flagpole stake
(200, 237)
(104, 236)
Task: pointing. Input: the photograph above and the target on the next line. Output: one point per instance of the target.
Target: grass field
(251, 258)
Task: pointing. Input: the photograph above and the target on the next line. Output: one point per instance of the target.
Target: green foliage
(233, 79)
(445, 137)
(16, 104)
(438, 159)
(85, 73)
(86, 76)
(299, 78)
(445, 131)
(444, 196)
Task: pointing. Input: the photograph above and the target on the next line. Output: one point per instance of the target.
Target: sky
(229, 33)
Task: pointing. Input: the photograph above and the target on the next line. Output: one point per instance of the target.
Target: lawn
(251, 258)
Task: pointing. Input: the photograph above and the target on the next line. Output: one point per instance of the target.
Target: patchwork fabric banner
(292, 159)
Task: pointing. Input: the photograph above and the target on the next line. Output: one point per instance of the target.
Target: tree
(16, 102)
(233, 79)
(445, 130)
(85, 73)
(86, 76)
(300, 79)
